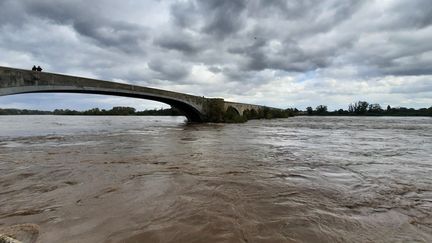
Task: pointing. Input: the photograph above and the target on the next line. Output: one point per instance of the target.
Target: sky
(278, 53)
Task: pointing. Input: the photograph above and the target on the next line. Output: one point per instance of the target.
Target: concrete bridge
(195, 108)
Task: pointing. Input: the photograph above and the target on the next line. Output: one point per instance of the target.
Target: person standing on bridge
(39, 69)
(34, 68)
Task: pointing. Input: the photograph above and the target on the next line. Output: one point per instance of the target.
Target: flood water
(156, 179)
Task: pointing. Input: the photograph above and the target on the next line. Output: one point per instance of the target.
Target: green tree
(375, 108)
(120, 110)
(362, 107)
(321, 109)
(359, 107)
(341, 111)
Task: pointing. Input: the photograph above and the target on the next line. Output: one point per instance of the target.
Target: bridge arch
(22, 81)
(191, 113)
(195, 108)
(232, 109)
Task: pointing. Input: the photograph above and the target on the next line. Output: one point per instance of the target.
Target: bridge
(195, 108)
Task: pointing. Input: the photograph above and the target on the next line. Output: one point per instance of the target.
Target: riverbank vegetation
(217, 113)
(363, 108)
(115, 111)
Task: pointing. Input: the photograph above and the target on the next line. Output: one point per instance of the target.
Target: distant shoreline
(115, 111)
(370, 115)
(352, 115)
(363, 108)
(319, 111)
(77, 115)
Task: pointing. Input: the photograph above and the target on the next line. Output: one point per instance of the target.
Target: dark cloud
(302, 17)
(224, 17)
(408, 15)
(284, 55)
(169, 69)
(86, 19)
(180, 42)
(215, 69)
(119, 35)
(192, 44)
(299, 9)
(219, 19)
(10, 13)
(184, 14)
(253, 46)
(419, 86)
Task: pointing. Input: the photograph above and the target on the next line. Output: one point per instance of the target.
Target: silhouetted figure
(39, 69)
(34, 68)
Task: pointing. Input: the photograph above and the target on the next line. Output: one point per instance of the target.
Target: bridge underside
(192, 114)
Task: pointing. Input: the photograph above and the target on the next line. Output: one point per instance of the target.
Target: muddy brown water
(156, 179)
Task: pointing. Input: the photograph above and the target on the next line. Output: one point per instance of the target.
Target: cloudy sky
(280, 53)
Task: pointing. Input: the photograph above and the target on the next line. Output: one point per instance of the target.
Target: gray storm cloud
(326, 51)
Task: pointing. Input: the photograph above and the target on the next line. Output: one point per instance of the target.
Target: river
(157, 179)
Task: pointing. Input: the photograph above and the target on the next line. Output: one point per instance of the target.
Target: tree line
(115, 111)
(359, 108)
(363, 108)
(217, 114)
